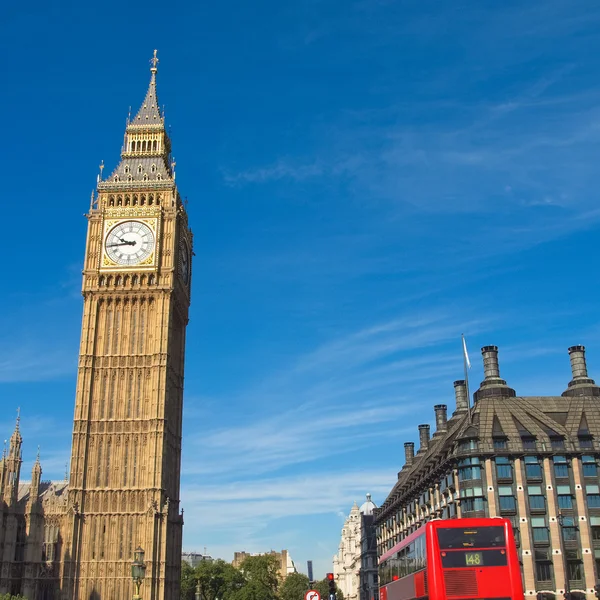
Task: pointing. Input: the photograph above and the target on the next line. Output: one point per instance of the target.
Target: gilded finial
(37, 458)
(154, 63)
(18, 418)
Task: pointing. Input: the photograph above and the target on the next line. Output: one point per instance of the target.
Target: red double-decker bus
(453, 559)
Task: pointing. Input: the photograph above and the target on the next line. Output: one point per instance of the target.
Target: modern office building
(531, 459)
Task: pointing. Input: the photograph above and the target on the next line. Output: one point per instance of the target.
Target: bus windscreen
(475, 537)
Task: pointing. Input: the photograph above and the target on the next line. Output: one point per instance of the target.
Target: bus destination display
(474, 559)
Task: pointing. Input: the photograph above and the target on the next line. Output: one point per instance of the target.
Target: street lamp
(198, 595)
(138, 571)
(561, 521)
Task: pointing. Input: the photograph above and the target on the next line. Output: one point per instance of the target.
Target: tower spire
(154, 61)
(149, 112)
(145, 155)
(16, 439)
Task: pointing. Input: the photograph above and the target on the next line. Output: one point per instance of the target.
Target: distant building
(355, 564)
(195, 558)
(531, 459)
(286, 564)
(369, 588)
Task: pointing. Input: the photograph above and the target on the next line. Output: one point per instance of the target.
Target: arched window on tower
(140, 168)
(144, 146)
(154, 145)
(125, 461)
(145, 176)
(158, 176)
(153, 168)
(99, 463)
(107, 479)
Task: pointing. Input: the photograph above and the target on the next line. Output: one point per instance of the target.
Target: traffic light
(331, 582)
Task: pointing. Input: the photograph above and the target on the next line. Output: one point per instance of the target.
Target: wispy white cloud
(38, 360)
(247, 508)
(328, 401)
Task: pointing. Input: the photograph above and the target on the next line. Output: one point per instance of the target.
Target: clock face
(129, 243)
(184, 262)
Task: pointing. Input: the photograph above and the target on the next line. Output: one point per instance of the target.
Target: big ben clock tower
(126, 455)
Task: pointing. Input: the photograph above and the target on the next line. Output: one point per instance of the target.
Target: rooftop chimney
(491, 370)
(409, 453)
(460, 394)
(492, 384)
(581, 384)
(441, 418)
(423, 437)
(578, 366)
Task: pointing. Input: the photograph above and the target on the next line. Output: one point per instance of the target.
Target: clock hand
(121, 244)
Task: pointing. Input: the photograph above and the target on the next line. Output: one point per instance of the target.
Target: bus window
(479, 537)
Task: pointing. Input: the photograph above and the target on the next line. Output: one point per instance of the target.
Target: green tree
(218, 579)
(262, 578)
(294, 587)
(11, 597)
(188, 581)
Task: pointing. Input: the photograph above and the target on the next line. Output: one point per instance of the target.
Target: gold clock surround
(149, 263)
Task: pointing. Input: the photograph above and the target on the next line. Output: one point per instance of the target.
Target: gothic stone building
(355, 564)
(533, 460)
(31, 515)
(123, 490)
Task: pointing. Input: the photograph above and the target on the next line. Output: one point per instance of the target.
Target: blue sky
(366, 179)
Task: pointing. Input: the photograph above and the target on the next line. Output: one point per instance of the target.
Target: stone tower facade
(126, 453)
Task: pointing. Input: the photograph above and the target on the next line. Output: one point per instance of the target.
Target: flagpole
(466, 366)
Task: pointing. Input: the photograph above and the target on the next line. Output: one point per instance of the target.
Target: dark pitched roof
(543, 417)
(149, 112)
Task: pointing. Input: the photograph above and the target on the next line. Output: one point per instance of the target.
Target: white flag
(467, 361)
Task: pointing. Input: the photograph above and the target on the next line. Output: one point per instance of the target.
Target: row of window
(149, 146)
(140, 169)
(145, 178)
(470, 468)
(473, 500)
(528, 443)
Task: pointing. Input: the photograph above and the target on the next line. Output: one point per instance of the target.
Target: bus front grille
(461, 583)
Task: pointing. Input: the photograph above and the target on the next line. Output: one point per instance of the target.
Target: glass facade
(565, 497)
(537, 500)
(539, 530)
(561, 467)
(533, 469)
(589, 465)
(472, 480)
(469, 468)
(504, 468)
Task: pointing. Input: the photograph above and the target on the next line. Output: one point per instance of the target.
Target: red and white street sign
(312, 595)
